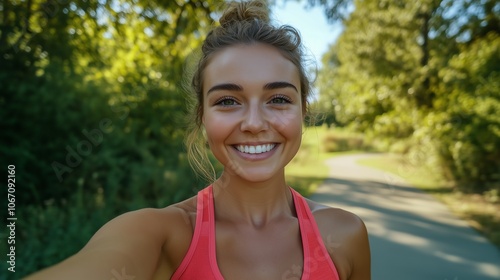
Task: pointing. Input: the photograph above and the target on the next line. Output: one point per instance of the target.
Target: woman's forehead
(250, 64)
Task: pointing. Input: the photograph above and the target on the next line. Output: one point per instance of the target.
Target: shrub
(340, 142)
(463, 134)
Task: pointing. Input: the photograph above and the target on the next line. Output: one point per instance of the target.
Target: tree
(64, 63)
(465, 127)
(377, 61)
(334, 9)
(92, 105)
(389, 76)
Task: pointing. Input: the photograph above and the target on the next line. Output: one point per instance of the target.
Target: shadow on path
(412, 236)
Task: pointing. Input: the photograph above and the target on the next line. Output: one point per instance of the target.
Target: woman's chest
(246, 253)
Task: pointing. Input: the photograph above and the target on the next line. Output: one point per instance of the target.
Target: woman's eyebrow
(228, 86)
(278, 85)
(235, 87)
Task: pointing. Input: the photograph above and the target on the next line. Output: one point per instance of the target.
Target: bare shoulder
(151, 223)
(346, 239)
(181, 219)
(336, 220)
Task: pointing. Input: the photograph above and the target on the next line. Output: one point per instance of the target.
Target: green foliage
(422, 75)
(338, 141)
(334, 10)
(92, 106)
(372, 72)
(466, 131)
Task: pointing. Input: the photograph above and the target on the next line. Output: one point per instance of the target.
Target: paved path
(412, 236)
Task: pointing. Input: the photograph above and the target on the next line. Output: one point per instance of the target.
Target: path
(412, 235)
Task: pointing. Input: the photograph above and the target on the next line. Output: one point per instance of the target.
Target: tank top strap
(317, 261)
(200, 260)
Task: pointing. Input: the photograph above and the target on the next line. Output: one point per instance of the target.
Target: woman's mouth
(255, 149)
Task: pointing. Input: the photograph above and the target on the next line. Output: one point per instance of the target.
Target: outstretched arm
(127, 247)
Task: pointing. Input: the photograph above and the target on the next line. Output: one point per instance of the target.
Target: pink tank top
(200, 261)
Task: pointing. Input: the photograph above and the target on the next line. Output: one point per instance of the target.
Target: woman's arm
(359, 252)
(127, 247)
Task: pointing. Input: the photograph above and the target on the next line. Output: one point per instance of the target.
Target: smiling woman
(259, 107)
(250, 90)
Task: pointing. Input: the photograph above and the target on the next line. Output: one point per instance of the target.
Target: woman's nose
(255, 119)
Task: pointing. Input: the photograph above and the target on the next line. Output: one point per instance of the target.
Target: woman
(251, 91)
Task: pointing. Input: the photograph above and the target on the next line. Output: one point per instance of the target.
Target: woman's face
(252, 110)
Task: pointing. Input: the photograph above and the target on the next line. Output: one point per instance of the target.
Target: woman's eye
(226, 101)
(280, 100)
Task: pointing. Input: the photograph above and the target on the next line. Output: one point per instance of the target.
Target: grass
(481, 211)
(308, 170)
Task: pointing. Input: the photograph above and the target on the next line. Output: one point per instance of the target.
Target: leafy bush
(465, 134)
(423, 79)
(340, 142)
(91, 105)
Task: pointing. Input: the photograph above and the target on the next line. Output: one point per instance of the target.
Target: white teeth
(259, 149)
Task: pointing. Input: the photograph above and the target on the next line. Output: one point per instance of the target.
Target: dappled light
(95, 96)
(409, 230)
(94, 103)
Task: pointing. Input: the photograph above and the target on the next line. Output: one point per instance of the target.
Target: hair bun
(245, 11)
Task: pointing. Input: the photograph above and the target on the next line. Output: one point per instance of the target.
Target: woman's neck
(251, 203)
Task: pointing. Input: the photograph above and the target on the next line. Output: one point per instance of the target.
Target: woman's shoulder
(179, 219)
(157, 225)
(168, 218)
(346, 239)
(165, 225)
(335, 219)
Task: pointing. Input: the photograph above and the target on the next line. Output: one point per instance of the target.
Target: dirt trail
(412, 235)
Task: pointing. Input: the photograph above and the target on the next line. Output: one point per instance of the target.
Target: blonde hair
(241, 23)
